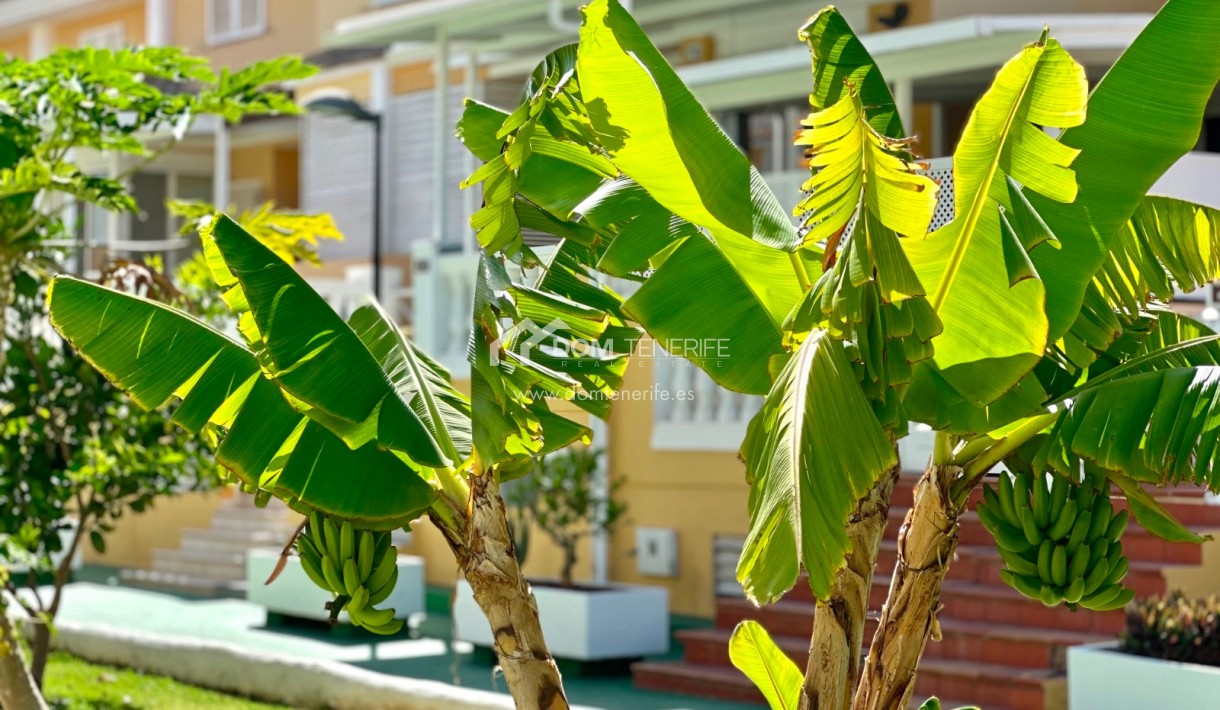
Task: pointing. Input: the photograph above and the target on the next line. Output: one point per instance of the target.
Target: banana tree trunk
(17, 688)
(838, 623)
(926, 545)
(489, 562)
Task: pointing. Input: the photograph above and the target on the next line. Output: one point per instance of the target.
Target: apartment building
(684, 486)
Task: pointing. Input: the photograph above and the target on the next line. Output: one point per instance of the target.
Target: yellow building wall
(67, 32)
(15, 45)
(273, 166)
(698, 493)
(136, 535)
(293, 27)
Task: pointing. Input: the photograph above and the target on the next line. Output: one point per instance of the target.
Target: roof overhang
(14, 14)
(517, 32)
(915, 53)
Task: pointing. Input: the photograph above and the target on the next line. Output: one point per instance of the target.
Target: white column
(425, 289)
(42, 40)
(158, 15)
(220, 165)
(470, 196)
(904, 101)
(441, 131)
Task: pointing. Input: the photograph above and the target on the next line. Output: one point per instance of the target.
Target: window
(235, 20)
(109, 36)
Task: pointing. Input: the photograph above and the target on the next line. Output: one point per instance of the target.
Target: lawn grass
(73, 684)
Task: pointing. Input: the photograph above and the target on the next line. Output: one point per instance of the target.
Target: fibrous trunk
(838, 622)
(488, 560)
(17, 688)
(926, 544)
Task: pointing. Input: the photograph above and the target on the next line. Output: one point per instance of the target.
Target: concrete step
(204, 564)
(233, 541)
(184, 583)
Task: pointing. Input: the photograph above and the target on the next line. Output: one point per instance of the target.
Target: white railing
(347, 293)
(693, 413)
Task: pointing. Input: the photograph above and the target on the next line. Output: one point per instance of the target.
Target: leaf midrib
(958, 256)
(800, 374)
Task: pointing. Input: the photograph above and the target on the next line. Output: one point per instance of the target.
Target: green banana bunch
(1059, 542)
(359, 566)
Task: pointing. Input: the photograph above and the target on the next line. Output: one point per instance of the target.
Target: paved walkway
(427, 653)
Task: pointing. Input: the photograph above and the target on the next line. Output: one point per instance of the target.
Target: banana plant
(352, 425)
(1030, 331)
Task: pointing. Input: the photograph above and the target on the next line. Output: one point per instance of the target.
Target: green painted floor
(97, 599)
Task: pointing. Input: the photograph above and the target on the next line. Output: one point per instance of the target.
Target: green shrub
(1174, 627)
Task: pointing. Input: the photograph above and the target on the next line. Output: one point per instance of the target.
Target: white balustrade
(693, 413)
(343, 296)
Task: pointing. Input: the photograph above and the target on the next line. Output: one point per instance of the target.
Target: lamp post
(342, 105)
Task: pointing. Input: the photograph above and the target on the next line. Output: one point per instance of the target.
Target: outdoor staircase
(212, 561)
(999, 649)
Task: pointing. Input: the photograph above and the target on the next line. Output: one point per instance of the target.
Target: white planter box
(619, 621)
(1102, 677)
(293, 593)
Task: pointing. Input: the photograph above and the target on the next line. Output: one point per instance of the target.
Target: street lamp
(342, 104)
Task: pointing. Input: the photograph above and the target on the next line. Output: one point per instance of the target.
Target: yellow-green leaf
(754, 653)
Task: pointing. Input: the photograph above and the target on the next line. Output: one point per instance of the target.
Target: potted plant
(1168, 656)
(585, 622)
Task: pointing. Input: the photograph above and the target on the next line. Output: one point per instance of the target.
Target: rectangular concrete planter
(1102, 677)
(615, 622)
(293, 593)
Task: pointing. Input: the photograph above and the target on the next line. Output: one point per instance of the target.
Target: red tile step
(1000, 644)
(1138, 544)
(705, 681)
(1186, 503)
(727, 683)
(965, 601)
(982, 564)
(987, 685)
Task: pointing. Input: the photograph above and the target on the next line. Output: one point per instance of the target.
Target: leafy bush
(559, 496)
(1175, 628)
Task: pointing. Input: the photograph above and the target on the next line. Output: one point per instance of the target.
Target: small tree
(560, 497)
(71, 445)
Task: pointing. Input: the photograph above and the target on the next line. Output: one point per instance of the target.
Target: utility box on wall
(656, 552)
